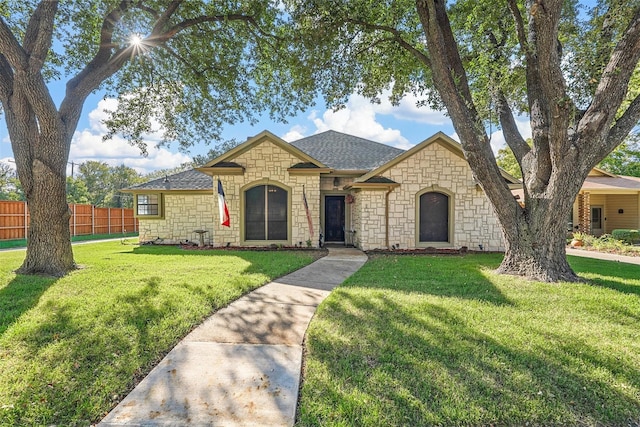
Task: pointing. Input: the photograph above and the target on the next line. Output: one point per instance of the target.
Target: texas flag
(222, 206)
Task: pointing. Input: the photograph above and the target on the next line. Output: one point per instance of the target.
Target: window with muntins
(434, 217)
(148, 204)
(266, 213)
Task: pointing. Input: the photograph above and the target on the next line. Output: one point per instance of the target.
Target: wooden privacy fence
(85, 219)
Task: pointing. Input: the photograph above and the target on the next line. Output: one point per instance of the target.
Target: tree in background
(100, 184)
(95, 176)
(122, 177)
(568, 71)
(6, 172)
(77, 191)
(9, 184)
(200, 160)
(179, 68)
(625, 159)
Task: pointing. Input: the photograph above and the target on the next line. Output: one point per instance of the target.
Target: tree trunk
(538, 255)
(48, 242)
(536, 236)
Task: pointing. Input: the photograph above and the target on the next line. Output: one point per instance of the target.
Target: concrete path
(603, 255)
(241, 367)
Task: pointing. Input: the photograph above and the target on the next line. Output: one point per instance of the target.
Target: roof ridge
(348, 135)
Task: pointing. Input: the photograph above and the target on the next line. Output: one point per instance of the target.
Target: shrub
(627, 236)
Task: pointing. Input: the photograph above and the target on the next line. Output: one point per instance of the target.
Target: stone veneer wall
(264, 164)
(183, 213)
(473, 218)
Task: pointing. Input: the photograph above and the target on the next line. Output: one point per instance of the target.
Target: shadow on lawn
(445, 276)
(609, 274)
(432, 367)
(20, 295)
(86, 358)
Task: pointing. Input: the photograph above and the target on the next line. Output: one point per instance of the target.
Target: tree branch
(162, 37)
(613, 85)
(164, 18)
(517, 18)
(97, 70)
(6, 80)
(623, 126)
(512, 135)
(451, 82)
(10, 47)
(39, 33)
(397, 36)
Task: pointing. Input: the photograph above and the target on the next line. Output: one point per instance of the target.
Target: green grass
(20, 243)
(71, 348)
(420, 340)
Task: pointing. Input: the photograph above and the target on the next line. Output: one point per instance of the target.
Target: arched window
(434, 217)
(266, 213)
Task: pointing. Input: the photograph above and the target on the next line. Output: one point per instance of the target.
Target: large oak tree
(179, 67)
(565, 66)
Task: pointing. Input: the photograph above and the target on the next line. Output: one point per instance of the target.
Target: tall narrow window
(434, 217)
(266, 213)
(148, 205)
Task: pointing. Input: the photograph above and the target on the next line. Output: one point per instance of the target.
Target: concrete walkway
(241, 367)
(603, 255)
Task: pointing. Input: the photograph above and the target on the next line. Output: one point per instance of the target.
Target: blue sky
(400, 126)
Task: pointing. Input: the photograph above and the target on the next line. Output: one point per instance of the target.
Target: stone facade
(267, 164)
(182, 214)
(382, 213)
(434, 168)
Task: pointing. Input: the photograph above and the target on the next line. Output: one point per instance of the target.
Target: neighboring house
(358, 192)
(606, 202)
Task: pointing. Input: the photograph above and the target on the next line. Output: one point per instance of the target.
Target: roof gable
(346, 152)
(437, 138)
(600, 172)
(257, 140)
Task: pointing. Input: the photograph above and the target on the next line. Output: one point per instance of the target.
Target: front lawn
(423, 340)
(71, 348)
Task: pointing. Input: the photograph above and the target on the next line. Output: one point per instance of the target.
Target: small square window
(148, 205)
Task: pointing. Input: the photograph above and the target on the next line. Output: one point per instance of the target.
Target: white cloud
(296, 132)
(360, 117)
(497, 137)
(87, 144)
(408, 110)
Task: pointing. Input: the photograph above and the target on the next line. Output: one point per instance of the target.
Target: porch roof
(187, 180)
(619, 182)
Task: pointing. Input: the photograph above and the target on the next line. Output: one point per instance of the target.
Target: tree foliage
(625, 158)
(100, 183)
(9, 183)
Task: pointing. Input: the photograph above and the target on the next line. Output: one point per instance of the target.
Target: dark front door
(334, 218)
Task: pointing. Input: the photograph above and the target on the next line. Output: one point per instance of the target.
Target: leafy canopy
(189, 72)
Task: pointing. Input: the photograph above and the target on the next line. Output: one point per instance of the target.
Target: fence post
(26, 213)
(109, 220)
(74, 218)
(122, 223)
(93, 219)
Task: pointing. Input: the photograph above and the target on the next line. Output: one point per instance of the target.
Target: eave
(372, 186)
(308, 171)
(221, 170)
